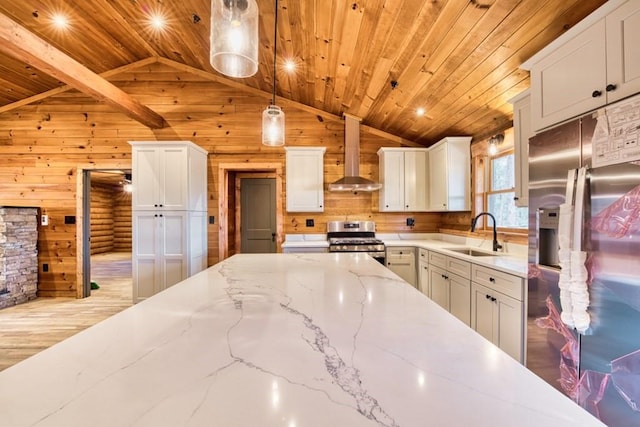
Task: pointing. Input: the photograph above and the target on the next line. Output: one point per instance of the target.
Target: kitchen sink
(473, 252)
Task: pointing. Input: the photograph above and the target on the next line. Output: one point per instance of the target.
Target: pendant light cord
(275, 47)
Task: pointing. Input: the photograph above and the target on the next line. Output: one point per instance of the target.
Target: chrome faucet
(496, 245)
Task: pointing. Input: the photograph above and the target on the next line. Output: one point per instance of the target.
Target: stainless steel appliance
(355, 236)
(583, 327)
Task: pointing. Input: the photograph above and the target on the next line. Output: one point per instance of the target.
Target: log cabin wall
(102, 218)
(122, 222)
(45, 143)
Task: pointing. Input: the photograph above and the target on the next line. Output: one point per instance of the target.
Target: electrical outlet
(212, 219)
(44, 220)
(45, 267)
(310, 223)
(411, 222)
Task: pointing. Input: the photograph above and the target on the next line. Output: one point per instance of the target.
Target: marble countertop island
(282, 340)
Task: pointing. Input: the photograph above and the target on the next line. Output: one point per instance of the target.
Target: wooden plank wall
(101, 218)
(44, 144)
(122, 222)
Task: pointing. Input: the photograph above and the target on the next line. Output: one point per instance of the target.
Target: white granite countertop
(508, 263)
(512, 262)
(305, 241)
(282, 340)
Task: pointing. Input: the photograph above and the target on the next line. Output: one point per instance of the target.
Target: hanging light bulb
(234, 37)
(273, 116)
(494, 141)
(273, 126)
(493, 147)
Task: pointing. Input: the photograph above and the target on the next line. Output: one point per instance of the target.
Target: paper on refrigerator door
(617, 133)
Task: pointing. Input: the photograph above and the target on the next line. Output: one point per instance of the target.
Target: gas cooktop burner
(354, 241)
(354, 236)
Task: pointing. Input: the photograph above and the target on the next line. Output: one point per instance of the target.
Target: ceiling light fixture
(494, 141)
(234, 37)
(60, 21)
(273, 116)
(290, 65)
(157, 21)
(420, 111)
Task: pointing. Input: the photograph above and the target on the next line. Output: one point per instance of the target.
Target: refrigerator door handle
(579, 209)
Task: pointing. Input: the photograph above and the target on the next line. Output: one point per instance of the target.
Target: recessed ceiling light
(420, 111)
(290, 65)
(157, 21)
(60, 21)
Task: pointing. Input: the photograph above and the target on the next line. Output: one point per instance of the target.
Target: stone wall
(18, 255)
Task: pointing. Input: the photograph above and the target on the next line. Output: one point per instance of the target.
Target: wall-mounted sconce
(494, 141)
(127, 186)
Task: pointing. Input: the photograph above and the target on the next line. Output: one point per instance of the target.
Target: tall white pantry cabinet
(169, 229)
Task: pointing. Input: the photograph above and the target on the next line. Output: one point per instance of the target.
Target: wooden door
(258, 215)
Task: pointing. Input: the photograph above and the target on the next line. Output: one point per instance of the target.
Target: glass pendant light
(273, 116)
(234, 37)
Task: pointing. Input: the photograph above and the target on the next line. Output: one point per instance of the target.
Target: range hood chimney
(352, 180)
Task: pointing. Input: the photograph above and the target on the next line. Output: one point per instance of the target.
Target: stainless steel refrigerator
(598, 367)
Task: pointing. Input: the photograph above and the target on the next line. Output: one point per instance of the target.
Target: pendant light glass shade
(234, 37)
(273, 126)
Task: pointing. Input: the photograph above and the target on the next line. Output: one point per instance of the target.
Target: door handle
(273, 237)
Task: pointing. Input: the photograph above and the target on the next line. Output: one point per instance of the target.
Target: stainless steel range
(355, 236)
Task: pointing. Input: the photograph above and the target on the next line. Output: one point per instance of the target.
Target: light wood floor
(28, 328)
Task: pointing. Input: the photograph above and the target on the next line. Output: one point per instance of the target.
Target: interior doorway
(230, 203)
(104, 232)
(257, 215)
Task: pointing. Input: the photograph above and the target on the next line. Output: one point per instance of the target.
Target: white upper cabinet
(305, 179)
(521, 134)
(169, 175)
(596, 63)
(403, 174)
(623, 54)
(450, 174)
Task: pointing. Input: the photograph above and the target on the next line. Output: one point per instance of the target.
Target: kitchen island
(281, 340)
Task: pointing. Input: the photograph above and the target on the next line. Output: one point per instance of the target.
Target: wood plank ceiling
(457, 59)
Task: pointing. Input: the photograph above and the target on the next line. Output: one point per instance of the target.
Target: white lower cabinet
(423, 272)
(168, 247)
(402, 261)
(450, 285)
(497, 309)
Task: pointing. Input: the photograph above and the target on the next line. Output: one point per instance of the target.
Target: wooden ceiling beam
(20, 43)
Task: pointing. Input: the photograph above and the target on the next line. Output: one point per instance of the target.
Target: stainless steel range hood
(352, 180)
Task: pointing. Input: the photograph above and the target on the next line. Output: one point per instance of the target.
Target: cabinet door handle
(492, 280)
(273, 237)
(155, 206)
(596, 93)
(493, 299)
(611, 87)
(487, 296)
(516, 198)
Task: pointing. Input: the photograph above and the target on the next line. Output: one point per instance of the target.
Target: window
(501, 191)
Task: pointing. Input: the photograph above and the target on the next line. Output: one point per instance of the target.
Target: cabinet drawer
(459, 267)
(438, 259)
(423, 255)
(400, 253)
(502, 282)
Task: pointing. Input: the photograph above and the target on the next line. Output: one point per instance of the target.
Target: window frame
(488, 190)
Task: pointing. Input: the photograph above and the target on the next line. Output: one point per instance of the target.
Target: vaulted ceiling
(376, 59)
